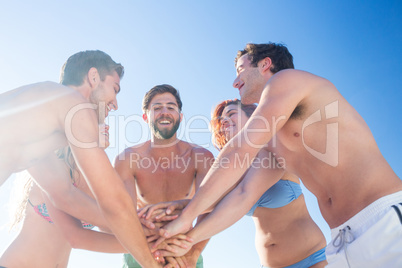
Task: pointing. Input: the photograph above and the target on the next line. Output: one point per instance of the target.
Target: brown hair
(77, 66)
(160, 89)
(278, 53)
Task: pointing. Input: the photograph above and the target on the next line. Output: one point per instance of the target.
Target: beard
(95, 98)
(164, 133)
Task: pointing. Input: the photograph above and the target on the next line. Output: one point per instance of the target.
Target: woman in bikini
(47, 234)
(286, 235)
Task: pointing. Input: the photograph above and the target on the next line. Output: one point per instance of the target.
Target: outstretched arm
(114, 201)
(255, 182)
(81, 238)
(204, 160)
(52, 176)
(280, 97)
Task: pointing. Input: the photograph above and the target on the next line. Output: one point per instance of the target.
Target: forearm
(217, 182)
(223, 216)
(79, 205)
(124, 223)
(196, 249)
(97, 241)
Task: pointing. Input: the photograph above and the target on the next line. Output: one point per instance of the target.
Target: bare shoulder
(41, 93)
(198, 150)
(296, 80)
(132, 153)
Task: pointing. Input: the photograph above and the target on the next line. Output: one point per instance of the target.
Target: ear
(181, 117)
(93, 77)
(145, 117)
(265, 64)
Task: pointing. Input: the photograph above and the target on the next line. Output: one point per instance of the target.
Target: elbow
(74, 241)
(59, 201)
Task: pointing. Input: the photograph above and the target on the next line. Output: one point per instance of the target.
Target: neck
(83, 90)
(164, 143)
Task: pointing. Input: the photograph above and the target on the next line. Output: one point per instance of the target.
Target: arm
(283, 92)
(81, 238)
(54, 179)
(125, 168)
(204, 160)
(257, 180)
(117, 206)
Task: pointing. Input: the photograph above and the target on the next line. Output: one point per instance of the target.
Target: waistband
(370, 213)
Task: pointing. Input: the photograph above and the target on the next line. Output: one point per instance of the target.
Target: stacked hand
(168, 247)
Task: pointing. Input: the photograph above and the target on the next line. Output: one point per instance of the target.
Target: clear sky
(191, 45)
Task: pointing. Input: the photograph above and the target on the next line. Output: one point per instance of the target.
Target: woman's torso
(286, 233)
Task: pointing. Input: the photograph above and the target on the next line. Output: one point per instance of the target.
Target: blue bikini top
(280, 194)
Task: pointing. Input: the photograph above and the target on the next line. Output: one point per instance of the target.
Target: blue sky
(191, 45)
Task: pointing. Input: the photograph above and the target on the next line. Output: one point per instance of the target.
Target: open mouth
(164, 122)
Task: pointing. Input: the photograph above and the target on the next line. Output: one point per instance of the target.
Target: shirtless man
(43, 117)
(324, 141)
(164, 168)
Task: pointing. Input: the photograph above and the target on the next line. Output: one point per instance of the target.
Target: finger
(168, 218)
(160, 215)
(180, 243)
(172, 262)
(152, 238)
(184, 237)
(142, 211)
(160, 240)
(164, 233)
(148, 224)
(181, 262)
(165, 253)
(153, 208)
(170, 209)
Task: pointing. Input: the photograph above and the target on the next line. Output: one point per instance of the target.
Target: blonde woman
(47, 234)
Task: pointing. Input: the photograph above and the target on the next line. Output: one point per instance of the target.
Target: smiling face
(163, 116)
(249, 81)
(233, 120)
(105, 95)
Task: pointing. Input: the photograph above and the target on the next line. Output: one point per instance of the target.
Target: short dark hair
(160, 89)
(77, 66)
(278, 53)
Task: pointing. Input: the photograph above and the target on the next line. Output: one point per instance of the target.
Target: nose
(236, 82)
(225, 120)
(164, 110)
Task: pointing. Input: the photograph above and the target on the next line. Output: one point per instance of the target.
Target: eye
(157, 108)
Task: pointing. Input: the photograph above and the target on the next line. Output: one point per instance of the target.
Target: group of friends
(301, 129)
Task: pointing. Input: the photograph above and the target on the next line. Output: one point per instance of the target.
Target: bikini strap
(29, 201)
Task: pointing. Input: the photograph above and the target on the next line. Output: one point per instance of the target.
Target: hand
(177, 262)
(169, 207)
(159, 215)
(191, 258)
(175, 227)
(176, 246)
